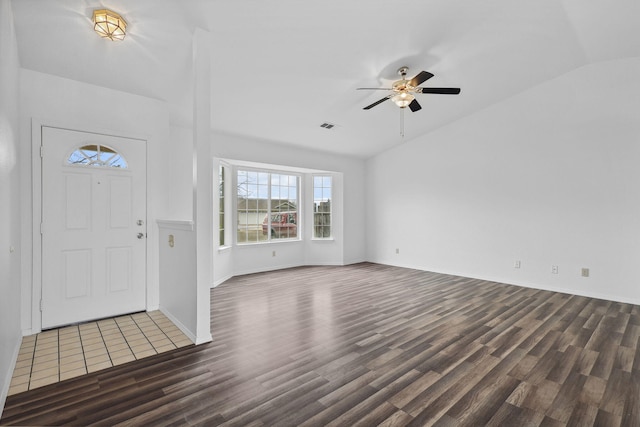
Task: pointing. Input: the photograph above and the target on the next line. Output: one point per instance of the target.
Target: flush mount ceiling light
(109, 24)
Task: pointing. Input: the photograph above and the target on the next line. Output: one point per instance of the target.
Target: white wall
(348, 244)
(178, 281)
(10, 335)
(548, 177)
(347, 248)
(47, 99)
(180, 190)
(352, 170)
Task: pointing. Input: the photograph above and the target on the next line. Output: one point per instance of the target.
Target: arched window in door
(97, 155)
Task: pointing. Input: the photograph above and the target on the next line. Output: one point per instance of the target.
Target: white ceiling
(283, 67)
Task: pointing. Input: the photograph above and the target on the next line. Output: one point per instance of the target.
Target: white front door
(93, 226)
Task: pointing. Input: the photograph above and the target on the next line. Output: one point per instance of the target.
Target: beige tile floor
(59, 354)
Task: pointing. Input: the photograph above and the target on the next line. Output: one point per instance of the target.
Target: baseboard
(8, 376)
(203, 340)
(529, 285)
(179, 324)
(221, 281)
(265, 269)
(321, 264)
(595, 295)
(281, 267)
(354, 261)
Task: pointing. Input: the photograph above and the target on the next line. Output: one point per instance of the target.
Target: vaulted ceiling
(281, 68)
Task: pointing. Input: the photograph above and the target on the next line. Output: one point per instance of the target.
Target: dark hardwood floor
(368, 345)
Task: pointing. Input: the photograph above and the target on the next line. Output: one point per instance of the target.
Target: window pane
(267, 206)
(253, 197)
(97, 155)
(221, 193)
(322, 207)
(284, 200)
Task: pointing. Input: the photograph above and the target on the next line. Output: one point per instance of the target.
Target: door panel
(120, 202)
(93, 263)
(77, 273)
(78, 201)
(118, 269)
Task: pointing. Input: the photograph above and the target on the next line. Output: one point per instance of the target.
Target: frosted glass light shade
(403, 99)
(109, 24)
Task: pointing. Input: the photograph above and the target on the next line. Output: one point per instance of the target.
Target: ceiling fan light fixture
(109, 24)
(403, 99)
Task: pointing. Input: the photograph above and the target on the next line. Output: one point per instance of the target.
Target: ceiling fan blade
(373, 88)
(368, 107)
(420, 78)
(440, 90)
(414, 106)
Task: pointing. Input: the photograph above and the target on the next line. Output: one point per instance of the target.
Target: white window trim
(228, 208)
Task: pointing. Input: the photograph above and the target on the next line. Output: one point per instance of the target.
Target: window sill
(224, 248)
(270, 242)
(326, 239)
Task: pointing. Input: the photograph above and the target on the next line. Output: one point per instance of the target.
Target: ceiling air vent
(327, 125)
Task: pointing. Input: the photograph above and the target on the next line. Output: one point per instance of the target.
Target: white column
(202, 182)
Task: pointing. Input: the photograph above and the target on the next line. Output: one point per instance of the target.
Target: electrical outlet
(585, 272)
(273, 253)
(516, 264)
(554, 269)
(397, 251)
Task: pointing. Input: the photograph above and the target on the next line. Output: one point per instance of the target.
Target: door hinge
(42, 151)
(41, 228)
(41, 305)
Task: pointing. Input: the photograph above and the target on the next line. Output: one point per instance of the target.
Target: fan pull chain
(402, 122)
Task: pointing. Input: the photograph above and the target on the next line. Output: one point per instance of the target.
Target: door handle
(140, 235)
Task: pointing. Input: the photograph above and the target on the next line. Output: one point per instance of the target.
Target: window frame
(299, 205)
(224, 206)
(313, 203)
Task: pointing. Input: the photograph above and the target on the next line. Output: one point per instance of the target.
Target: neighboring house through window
(322, 188)
(267, 205)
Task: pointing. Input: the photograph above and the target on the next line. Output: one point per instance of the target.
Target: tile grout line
(59, 356)
(143, 334)
(163, 332)
(106, 347)
(33, 360)
(125, 339)
(84, 356)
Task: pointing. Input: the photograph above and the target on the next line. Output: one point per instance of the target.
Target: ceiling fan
(403, 90)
